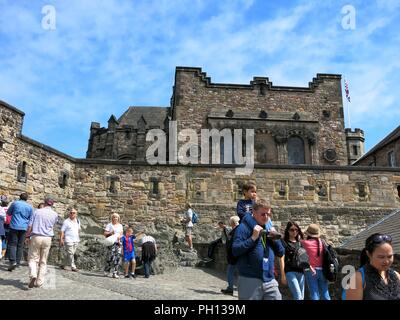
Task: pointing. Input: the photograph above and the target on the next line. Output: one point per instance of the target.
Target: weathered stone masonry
(341, 198)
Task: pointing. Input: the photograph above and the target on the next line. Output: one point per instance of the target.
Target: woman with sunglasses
(376, 280)
(294, 274)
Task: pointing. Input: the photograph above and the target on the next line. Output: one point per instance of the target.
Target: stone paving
(185, 283)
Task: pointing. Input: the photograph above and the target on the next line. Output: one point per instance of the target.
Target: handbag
(109, 241)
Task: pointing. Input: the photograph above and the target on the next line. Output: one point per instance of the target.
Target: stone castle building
(292, 125)
(302, 155)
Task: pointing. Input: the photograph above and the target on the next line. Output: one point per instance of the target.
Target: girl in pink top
(315, 279)
(314, 250)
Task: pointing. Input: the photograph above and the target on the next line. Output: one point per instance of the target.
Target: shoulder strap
(284, 243)
(362, 271)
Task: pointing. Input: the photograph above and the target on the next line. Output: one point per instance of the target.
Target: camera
(273, 235)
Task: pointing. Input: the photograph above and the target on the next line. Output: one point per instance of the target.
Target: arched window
(295, 146)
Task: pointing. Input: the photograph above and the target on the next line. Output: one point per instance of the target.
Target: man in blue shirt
(255, 252)
(21, 213)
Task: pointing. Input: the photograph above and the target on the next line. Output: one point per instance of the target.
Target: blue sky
(104, 56)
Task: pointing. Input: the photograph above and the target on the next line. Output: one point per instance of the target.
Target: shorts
(189, 231)
(128, 257)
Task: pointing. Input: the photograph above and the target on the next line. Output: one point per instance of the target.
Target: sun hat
(313, 231)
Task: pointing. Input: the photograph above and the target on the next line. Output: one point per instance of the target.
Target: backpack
(300, 256)
(330, 263)
(301, 259)
(195, 217)
(8, 219)
(229, 253)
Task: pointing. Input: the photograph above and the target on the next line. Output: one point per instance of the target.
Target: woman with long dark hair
(294, 274)
(376, 280)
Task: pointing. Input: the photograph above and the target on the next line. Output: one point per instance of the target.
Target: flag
(346, 89)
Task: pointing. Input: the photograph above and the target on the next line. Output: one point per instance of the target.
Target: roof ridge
(370, 227)
(386, 140)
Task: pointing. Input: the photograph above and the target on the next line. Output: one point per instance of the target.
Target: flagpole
(347, 106)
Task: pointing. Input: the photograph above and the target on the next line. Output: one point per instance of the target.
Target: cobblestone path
(184, 284)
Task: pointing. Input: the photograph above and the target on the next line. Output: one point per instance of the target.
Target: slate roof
(153, 116)
(394, 135)
(387, 225)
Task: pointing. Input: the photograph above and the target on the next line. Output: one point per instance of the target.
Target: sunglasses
(380, 238)
(263, 214)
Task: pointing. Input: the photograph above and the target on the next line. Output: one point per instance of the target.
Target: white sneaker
(115, 276)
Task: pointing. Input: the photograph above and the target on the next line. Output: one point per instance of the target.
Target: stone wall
(342, 201)
(380, 157)
(29, 166)
(195, 98)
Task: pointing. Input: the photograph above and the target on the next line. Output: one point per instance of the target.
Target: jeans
(295, 281)
(146, 267)
(16, 240)
(317, 284)
(231, 275)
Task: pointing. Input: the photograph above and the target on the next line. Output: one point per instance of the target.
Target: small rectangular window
(21, 174)
(113, 188)
(355, 150)
(391, 159)
(155, 189)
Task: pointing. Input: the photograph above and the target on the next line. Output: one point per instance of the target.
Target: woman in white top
(113, 229)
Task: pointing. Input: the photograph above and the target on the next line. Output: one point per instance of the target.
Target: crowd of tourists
(303, 259)
(255, 250)
(23, 228)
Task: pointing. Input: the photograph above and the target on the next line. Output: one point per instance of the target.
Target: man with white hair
(69, 237)
(41, 231)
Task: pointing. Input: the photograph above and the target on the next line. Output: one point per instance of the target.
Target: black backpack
(300, 257)
(229, 242)
(330, 263)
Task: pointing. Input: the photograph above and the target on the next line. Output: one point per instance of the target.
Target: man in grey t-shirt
(41, 232)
